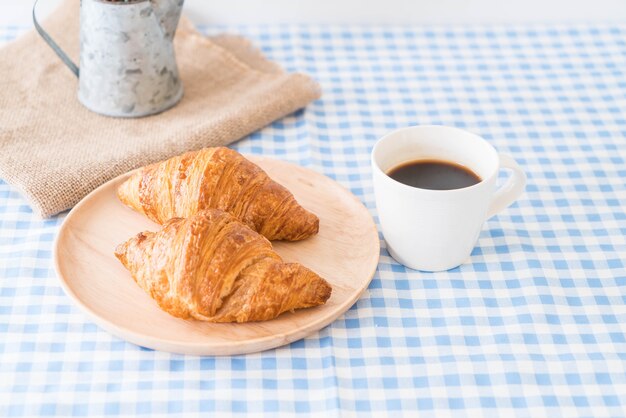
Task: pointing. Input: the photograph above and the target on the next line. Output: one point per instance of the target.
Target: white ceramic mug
(436, 230)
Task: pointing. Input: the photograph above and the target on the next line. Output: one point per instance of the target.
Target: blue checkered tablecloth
(534, 326)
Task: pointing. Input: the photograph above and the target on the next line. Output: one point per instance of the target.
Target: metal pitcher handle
(56, 48)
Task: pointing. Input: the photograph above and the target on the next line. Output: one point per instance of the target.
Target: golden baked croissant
(212, 267)
(218, 178)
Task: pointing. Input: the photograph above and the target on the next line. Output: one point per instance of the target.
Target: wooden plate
(345, 252)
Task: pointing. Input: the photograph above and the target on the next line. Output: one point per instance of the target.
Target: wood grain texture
(345, 253)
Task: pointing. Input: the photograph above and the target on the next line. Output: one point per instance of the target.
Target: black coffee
(434, 175)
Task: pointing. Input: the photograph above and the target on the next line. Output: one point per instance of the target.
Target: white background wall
(17, 12)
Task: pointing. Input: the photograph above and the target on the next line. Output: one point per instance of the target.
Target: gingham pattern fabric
(533, 326)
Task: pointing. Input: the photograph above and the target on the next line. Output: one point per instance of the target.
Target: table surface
(533, 325)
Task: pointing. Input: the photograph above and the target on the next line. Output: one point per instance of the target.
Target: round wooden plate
(345, 253)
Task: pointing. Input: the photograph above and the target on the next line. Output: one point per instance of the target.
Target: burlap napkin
(54, 151)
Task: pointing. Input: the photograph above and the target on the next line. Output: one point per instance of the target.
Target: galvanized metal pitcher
(127, 62)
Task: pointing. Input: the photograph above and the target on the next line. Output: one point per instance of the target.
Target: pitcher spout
(168, 14)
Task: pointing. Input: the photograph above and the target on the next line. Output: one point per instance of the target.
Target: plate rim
(257, 343)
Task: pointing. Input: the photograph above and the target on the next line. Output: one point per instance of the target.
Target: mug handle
(511, 190)
(55, 47)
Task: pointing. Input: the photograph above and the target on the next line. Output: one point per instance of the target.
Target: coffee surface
(434, 175)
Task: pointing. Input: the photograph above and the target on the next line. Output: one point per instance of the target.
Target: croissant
(218, 178)
(212, 267)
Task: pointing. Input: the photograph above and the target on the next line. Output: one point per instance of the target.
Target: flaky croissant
(218, 178)
(214, 268)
